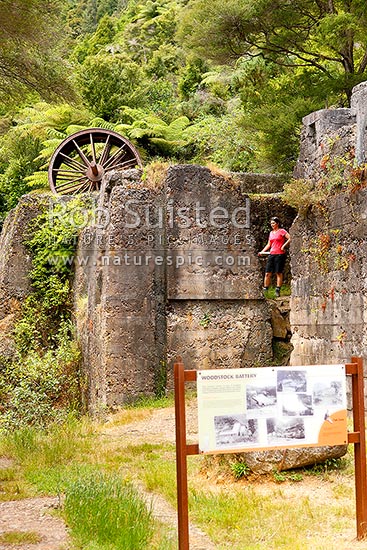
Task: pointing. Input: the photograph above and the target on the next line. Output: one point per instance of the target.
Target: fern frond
(175, 129)
(99, 122)
(123, 129)
(52, 133)
(73, 128)
(38, 180)
(138, 133)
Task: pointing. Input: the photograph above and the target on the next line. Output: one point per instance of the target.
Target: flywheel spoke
(72, 183)
(81, 154)
(125, 164)
(105, 152)
(72, 162)
(114, 156)
(93, 149)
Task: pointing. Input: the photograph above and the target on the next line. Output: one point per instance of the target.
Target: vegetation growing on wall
(41, 383)
(340, 174)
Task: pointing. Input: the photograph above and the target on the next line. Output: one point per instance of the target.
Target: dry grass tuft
(154, 174)
(219, 172)
(127, 416)
(20, 537)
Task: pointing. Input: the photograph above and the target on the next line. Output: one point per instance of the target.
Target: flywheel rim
(80, 161)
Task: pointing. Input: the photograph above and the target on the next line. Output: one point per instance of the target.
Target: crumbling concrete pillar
(359, 111)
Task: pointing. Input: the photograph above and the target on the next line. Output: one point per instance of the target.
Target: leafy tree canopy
(83, 16)
(326, 35)
(185, 80)
(30, 59)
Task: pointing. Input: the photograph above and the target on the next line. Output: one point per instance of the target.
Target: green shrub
(240, 469)
(37, 390)
(46, 313)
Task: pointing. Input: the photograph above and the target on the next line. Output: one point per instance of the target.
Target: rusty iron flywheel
(81, 160)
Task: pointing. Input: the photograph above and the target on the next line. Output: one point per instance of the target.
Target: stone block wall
(261, 183)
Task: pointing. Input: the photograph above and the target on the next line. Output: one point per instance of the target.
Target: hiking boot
(277, 292)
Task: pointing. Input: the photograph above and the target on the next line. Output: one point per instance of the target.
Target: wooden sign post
(357, 437)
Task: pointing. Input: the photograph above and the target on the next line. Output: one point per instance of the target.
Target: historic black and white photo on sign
(235, 430)
(262, 398)
(296, 404)
(285, 430)
(291, 380)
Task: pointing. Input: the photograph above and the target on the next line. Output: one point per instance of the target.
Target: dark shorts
(275, 263)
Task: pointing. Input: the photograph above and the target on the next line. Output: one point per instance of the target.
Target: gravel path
(159, 427)
(35, 515)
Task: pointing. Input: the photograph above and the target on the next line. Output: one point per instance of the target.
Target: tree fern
(174, 131)
(48, 148)
(52, 133)
(99, 122)
(38, 180)
(73, 128)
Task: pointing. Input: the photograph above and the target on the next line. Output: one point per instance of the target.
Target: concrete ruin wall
(174, 272)
(328, 248)
(325, 133)
(329, 284)
(121, 305)
(15, 264)
(331, 133)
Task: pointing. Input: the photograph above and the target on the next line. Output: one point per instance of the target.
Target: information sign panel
(271, 407)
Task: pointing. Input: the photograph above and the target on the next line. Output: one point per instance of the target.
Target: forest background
(223, 82)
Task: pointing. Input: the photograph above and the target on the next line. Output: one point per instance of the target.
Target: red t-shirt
(277, 239)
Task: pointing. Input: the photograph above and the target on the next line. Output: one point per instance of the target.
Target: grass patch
(284, 291)
(14, 490)
(127, 416)
(322, 469)
(160, 476)
(9, 487)
(20, 537)
(243, 518)
(105, 512)
(45, 460)
(74, 456)
(292, 475)
(152, 402)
